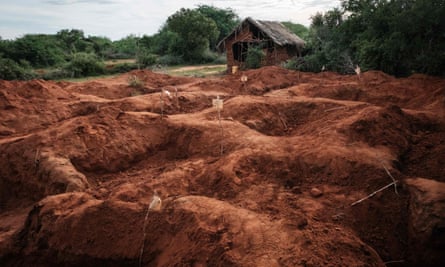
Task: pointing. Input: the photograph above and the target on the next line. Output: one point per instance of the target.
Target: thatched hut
(277, 42)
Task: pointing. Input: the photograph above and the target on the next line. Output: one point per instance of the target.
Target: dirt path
(189, 68)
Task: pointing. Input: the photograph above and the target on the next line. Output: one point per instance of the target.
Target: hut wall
(274, 54)
(244, 35)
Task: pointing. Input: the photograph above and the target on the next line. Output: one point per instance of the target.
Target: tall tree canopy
(39, 50)
(326, 46)
(225, 19)
(398, 36)
(299, 29)
(195, 32)
(72, 40)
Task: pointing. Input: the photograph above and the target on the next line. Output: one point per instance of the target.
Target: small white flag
(218, 103)
(357, 70)
(156, 203)
(167, 93)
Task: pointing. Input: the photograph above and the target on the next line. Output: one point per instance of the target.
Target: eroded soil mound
(277, 181)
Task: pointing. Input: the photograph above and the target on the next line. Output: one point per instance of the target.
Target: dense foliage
(299, 29)
(254, 57)
(398, 37)
(226, 20)
(194, 31)
(190, 35)
(84, 64)
(11, 70)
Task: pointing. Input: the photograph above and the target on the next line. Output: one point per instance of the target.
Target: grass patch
(89, 78)
(119, 61)
(200, 71)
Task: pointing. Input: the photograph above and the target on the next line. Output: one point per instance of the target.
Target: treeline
(67, 53)
(399, 37)
(189, 36)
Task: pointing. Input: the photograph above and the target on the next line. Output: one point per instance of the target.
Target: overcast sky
(116, 19)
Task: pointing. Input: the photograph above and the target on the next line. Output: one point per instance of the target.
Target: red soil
(79, 163)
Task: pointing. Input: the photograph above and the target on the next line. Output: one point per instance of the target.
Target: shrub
(208, 56)
(170, 60)
(254, 57)
(84, 64)
(11, 70)
(55, 74)
(122, 68)
(146, 60)
(295, 63)
(135, 82)
(220, 59)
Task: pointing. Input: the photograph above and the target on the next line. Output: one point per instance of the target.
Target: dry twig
(394, 182)
(37, 158)
(154, 205)
(390, 176)
(373, 193)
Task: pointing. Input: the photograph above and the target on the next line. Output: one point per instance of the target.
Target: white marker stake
(357, 71)
(161, 98)
(163, 91)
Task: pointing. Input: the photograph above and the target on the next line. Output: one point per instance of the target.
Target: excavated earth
(275, 180)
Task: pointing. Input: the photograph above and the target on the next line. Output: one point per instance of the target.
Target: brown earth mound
(281, 180)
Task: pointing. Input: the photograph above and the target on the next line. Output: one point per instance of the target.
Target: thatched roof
(276, 31)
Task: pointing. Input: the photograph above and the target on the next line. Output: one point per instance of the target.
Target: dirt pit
(288, 174)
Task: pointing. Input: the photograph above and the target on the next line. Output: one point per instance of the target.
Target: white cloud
(71, 2)
(119, 18)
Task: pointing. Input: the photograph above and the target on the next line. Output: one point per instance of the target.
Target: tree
(84, 64)
(326, 45)
(195, 32)
(11, 70)
(299, 29)
(102, 46)
(40, 50)
(126, 47)
(225, 19)
(399, 36)
(74, 41)
(162, 43)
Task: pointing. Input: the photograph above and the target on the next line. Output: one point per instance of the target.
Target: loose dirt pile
(80, 162)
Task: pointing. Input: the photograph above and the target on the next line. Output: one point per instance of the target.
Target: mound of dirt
(136, 82)
(297, 169)
(427, 217)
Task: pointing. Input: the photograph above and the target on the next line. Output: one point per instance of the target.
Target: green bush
(313, 62)
(11, 70)
(254, 57)
(122, 68)
(146, 60)
(208, 57)
(84, 64)
(170, 60)
(55, 74)
(135, 82)
(295, 63)
(220, 59)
